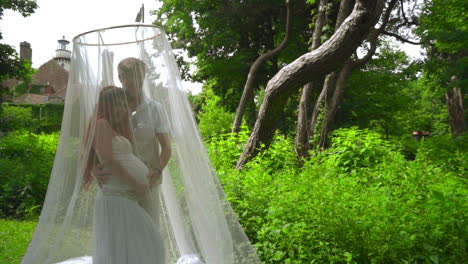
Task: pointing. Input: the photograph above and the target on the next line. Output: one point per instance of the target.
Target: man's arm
(166, 151)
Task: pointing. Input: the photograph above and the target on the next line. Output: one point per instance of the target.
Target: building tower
(62, 55)
(25, 51)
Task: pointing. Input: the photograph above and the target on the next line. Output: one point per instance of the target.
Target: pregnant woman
(123, 231)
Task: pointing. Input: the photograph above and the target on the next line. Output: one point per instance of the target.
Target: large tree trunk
(337, 96)
(321, 103)
(321, 61)
(456, 111)
(320, 106)
(344, 74)
(248, 92)
(302, 146)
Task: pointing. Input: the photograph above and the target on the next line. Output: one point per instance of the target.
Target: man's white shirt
(147, 121)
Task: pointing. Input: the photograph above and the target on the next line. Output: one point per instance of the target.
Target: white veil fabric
(107, 126)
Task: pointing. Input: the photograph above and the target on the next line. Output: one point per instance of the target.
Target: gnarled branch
(248, 91)
(321, 61)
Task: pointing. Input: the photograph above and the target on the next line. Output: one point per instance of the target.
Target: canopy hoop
(76, 40)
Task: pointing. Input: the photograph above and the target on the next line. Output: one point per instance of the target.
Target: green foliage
(386, 96)
(227, 36)
(446, 151)
(17, 118)
(358, 202)
(25, 164)
(31, 117)
(427, 109)
(213, 119)
(356, 149)
(444, 23)
(15, 236)
(445, 33)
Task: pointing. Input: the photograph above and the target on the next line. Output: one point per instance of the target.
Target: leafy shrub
(445, 151)
(358, 202)
(38, 118)
(354, 148)
(26, 161)
(213, 119)
(17, 118)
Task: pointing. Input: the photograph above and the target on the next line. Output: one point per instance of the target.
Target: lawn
(14, 240)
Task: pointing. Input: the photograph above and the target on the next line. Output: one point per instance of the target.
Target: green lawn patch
(14, 240)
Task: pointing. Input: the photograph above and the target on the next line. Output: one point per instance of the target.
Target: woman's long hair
(110, 99)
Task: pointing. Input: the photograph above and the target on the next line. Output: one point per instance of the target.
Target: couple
(126, 162)
(103, 198)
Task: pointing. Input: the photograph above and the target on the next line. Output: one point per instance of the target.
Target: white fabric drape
(189, 210)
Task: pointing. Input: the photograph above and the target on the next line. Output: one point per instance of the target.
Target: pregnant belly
(134, 166)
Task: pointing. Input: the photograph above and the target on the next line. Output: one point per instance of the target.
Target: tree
(303, 128)
(228, 36)
(378, 95)
(444, 32)
(248, 92)
(341, 77)
(318, 62)
(10, 64)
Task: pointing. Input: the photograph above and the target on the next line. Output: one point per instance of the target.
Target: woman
(123, 232)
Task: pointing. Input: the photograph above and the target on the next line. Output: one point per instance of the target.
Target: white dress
(123, 231)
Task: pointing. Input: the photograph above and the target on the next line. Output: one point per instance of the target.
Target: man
(150, 128)
(149, 122)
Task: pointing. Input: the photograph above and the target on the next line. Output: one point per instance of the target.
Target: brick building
(49, 83)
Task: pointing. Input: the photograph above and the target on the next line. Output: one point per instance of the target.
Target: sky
(57, 18)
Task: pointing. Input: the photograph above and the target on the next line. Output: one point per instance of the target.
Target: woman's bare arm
(103, 146)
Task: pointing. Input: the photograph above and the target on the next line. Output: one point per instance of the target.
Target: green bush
(358, 202)
(354, 148)
(17, 118)
(445, 151)
(26, 161)
(38, 118)
(213, 119)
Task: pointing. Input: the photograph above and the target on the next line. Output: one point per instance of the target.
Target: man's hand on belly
(154, 177)
(101, 174)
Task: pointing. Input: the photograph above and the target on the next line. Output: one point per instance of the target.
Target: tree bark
(344, 74)
(336, 100)
(456, 112)
(248, 92)
(321, 61)
(321, 103)
(346, 7)
(302, 145)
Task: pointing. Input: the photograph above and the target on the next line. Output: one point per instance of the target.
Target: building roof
(52, 74)
(10, 83)
(29, 98)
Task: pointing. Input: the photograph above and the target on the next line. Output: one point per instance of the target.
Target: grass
(14, 240)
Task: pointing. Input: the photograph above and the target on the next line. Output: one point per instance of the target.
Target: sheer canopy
(127, 120)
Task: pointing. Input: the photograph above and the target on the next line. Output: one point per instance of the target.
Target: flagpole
(143, 13)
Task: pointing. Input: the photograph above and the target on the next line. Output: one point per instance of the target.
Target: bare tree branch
(302, 145)
(374, 35)
(248, 92)
(400, 38)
